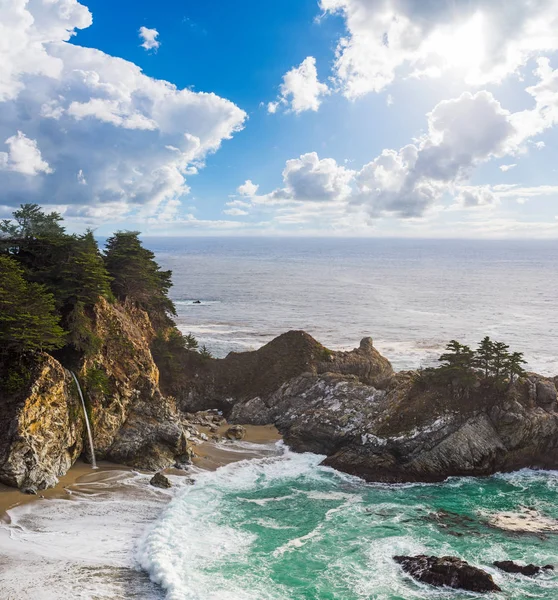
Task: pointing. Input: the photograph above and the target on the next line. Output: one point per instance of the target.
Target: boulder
(447, 571)
(161, 481)
(41, 427)
(530, 570)
(236, 432)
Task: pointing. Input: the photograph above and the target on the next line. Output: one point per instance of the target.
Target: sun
(461, 47)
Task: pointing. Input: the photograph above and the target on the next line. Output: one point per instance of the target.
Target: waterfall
(89, 435)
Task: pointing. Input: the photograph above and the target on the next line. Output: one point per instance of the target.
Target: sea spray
(286, 528)
(87, 424)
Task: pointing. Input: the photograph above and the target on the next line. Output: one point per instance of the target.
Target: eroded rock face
(447, 571)
(41, 430)
(398, 434)
(132, 422)
(242, 376)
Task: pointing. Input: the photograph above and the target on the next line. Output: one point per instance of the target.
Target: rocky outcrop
(529, 570)
(447, 571)
(404, 432)
(243, 376)
(42, 427)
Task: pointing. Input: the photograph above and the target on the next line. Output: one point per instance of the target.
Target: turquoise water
(283, 528)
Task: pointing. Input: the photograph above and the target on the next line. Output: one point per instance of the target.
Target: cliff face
(132, 422)
(400, 434)
(41, 430)
(243, 376)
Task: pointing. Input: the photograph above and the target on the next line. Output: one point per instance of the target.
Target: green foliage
(16, 379)
(31, 222)
(190, 342)
(205, 353)
(137, 277)
(80, 334)
(491, 364)
(84, 278)
(27, 313)
(97, 381)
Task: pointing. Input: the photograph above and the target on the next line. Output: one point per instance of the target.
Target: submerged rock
(236, 432)
(161, 481)
(530, 570)
(447, 571)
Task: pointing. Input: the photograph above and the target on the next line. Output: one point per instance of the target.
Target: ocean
(280, 526)
(410, 296)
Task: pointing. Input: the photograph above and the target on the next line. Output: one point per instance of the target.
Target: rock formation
(447, 571)
(529, 570)
(42, 427)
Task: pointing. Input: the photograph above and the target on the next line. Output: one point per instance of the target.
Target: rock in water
(161, 481)
(510, 567)
(447, 571)
(236, 432)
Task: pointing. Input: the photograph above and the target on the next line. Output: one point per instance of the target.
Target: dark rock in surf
(529, 570)
(448, 571)
(161, 481)
(236, 432)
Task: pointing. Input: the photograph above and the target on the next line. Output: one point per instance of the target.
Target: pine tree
(27, 318)
(137, 276)
(84, 276)
(499, 359)
(513, 366)
(484, 356)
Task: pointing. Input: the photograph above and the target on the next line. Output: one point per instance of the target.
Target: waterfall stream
(89, 434)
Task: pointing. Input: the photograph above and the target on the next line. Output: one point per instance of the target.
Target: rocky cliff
(402, 431)
(42, 425)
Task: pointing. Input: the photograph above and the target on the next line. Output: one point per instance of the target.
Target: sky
(369, 118)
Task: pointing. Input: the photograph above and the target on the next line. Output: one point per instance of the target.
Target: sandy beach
(79, 539)
(209, 455)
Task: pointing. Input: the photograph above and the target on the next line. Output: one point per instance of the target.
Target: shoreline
(209, 456)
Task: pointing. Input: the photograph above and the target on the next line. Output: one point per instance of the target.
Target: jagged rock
(236, 432)
(399, 433)
(447, 571)
(41, 428)
(161, 481)
(546, 393)
(222, 383)
(530, 570)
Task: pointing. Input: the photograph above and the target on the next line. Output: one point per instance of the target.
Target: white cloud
(406, 183)
(23, 156)
(248, 188)
(301, 90)
(506, 168)
(235, 212)
(136, 138)
(309, 179)
(479, 41)
(472, 196)
(149, 38)
(461, 134)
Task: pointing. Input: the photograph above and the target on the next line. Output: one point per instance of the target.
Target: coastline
(210, 456)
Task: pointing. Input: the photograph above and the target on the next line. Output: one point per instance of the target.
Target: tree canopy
(491, 363)
(136, 276)
(28, 320)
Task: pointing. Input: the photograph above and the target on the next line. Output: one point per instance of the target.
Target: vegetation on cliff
(50, 282)
(491, 365)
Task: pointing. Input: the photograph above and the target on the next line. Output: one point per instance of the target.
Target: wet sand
(210, 456)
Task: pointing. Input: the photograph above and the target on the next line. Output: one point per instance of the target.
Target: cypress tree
(27, 313)
(136, 276)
